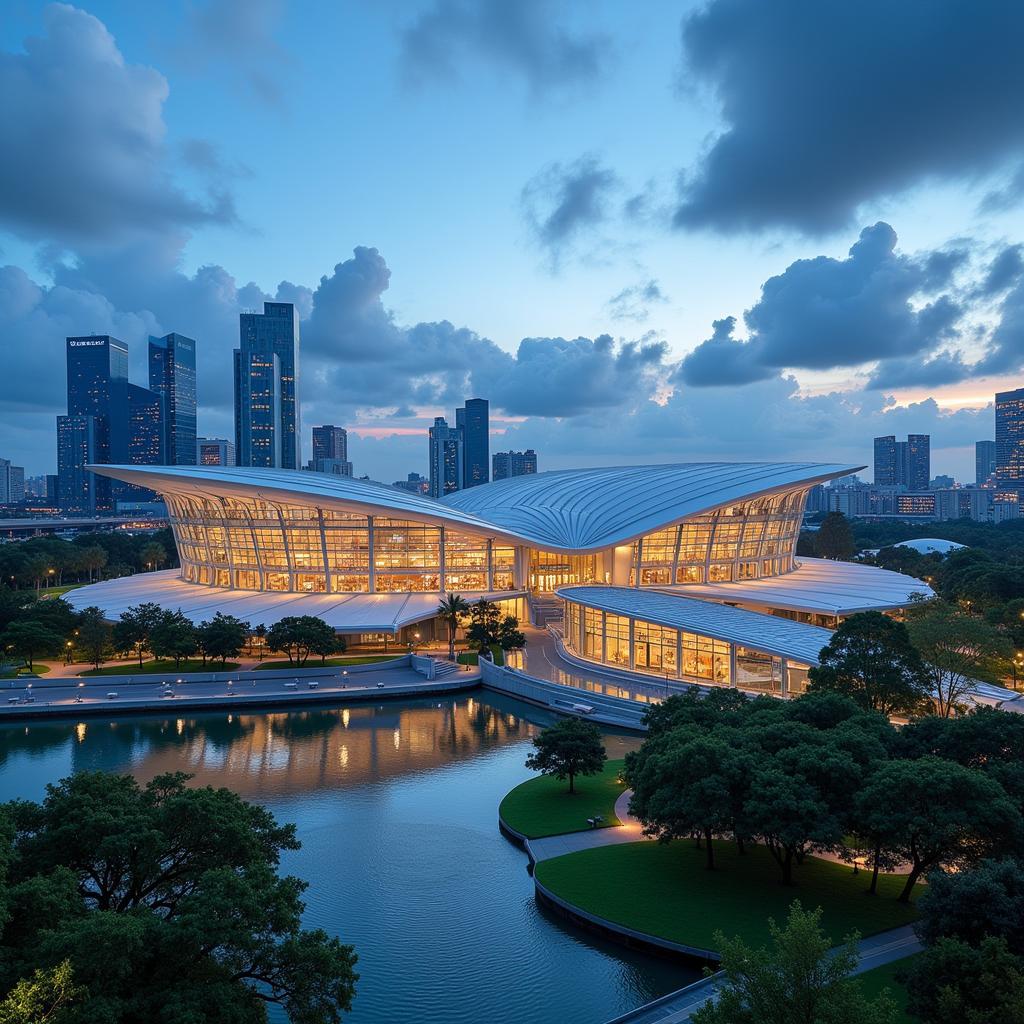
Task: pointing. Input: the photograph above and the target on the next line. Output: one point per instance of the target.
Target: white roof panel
(767, 633)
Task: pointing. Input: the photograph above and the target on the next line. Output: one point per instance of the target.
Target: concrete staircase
(546, 610)
(444, 668)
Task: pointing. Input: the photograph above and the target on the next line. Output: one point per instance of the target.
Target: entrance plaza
(684, 573)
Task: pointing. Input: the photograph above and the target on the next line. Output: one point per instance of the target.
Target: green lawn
(38, 670)
(885, 977)
(57, 591)
(665, 890)
(473, 658)
(161, 668)
(314, 662)
(544, 807)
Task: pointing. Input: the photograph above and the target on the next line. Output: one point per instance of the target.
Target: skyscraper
(137, 435)
(12, 483)
(903, 462)
(267, 423)
(918, 462)
(984, 461)
(96, 364)
(446, 458)
(473, 420)
(509, 464)
(78, 445)
(172, 375)
(1010, 440)
(330, 451)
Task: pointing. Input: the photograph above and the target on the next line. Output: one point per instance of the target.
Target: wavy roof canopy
(588, 509)
(565, 510)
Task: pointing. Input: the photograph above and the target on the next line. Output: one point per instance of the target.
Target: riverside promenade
(170, 693)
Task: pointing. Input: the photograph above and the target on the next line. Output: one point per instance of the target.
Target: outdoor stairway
(546, 610)
(444, 668)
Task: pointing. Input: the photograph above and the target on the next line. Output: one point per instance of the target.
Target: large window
(254, 544)
(654, 648)
(616, 640)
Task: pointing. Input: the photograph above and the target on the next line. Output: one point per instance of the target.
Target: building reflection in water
(276, 753)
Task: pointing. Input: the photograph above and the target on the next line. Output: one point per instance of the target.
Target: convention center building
(686, 572)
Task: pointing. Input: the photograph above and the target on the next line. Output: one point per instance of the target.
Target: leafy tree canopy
(566, 749)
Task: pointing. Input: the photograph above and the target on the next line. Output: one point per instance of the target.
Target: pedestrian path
(675, 1007)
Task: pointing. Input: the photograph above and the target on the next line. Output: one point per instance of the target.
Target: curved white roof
(589, 509)
(565, 510)
(767, 633)
(930, 545)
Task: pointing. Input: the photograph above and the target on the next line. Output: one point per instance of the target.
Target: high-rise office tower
(96, 364)
(903, 462)
(268, 429)
(330, 442)
(1010, 440)
(446, 458)
(984, 461)
(473, 419)
(886, 461)
(508, 464)
(172, 375)
(12, 483)
(137, 435)
(78, 445)
(214, 451)
(918, 462)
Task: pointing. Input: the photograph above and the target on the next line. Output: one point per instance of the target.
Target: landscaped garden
(665, 890)
(544, 806)
(473, 657)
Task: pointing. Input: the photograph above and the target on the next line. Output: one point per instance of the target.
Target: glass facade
(253, 544)
(744, 541)
(648, 648)
(172, 375)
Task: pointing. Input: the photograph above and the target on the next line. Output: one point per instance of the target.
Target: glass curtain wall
(651, 649)
(258, 545)
(746, 541)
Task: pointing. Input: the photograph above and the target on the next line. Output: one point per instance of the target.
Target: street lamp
(67, 652)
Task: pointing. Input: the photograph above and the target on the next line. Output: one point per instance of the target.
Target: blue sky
(552, 171)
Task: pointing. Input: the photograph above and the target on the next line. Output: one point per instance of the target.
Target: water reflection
(395, 805)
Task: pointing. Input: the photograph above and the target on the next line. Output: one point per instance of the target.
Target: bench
(583, 709)
(313, 684)
(113, 694)
(291, 686)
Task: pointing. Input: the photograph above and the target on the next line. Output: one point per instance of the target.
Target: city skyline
(608, 312)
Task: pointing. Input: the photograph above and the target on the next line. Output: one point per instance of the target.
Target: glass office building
(1010, 441)
(268, 429)
(473, 419)
(172, 375)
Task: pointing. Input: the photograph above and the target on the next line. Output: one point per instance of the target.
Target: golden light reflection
(80, 731)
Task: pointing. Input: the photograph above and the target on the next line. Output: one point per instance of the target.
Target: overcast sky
(647, 232)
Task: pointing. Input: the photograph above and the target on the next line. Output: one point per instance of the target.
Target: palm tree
(451, 609)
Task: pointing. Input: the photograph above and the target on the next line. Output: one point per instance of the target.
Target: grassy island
(665, 890)
(544, 807)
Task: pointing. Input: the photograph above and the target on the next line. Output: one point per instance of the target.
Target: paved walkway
(554, 846)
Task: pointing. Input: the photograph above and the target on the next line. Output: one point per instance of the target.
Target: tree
(174, 636)
(871, 659)
(31, 640)
(484, 624)
(952, 982)
(93, 635)
(798, 980)
(327, 644)
(971, 905)
(153, 555)
(566, 749)
(510, 636)
(933, 813)
(166, 896)
(834, 538)
(48, 997)
(222, 637)
(683, 784)
(957, 650)
(133, 630)
(451, 609)
(299, 635)
(94, 558)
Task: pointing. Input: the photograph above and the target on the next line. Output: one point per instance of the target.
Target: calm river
(396, 807)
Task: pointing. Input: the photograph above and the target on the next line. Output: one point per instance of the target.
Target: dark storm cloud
(827, 106)
(564, 201)
(88, 163)
(527, 37)
(634, 303)
(945, 368)
(822, 313)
